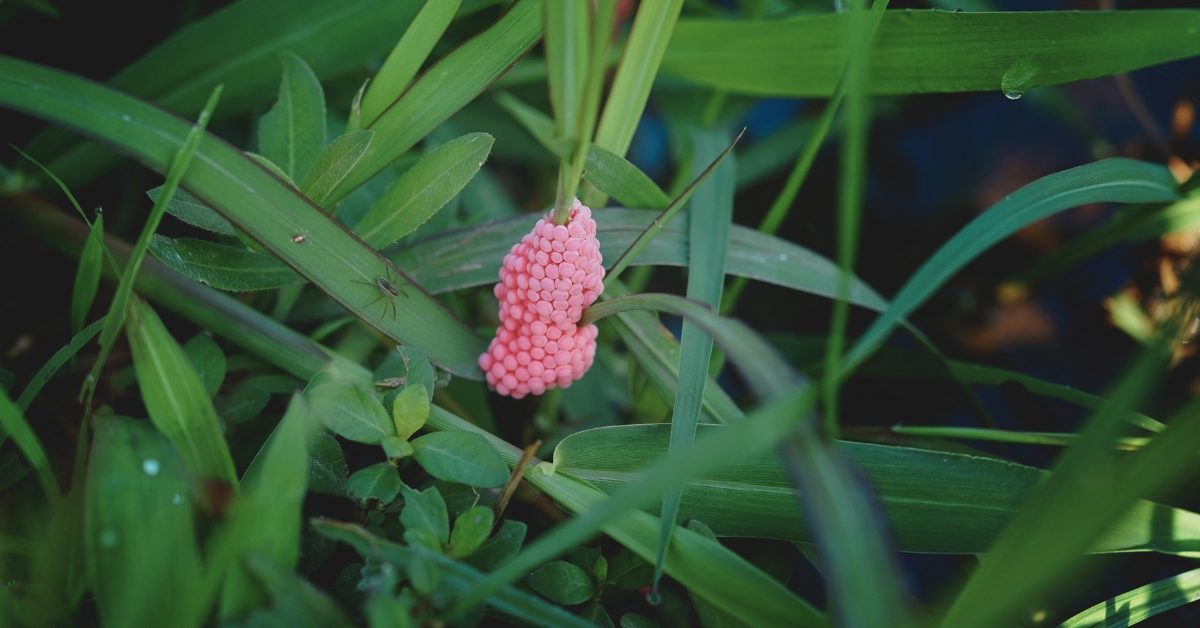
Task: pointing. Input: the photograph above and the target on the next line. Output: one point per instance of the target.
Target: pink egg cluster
(546, 282)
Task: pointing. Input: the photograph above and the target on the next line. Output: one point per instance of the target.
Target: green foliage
(464, 458)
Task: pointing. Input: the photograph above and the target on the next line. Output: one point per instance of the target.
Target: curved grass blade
(705, 567)
(87, 277)
(406, 57)
(445, 88)
(424, 189)
(292, 133)
(1109, 180)
(936, 501)
(1140, 604)
(175, 397)
(930, 51)
(56, 361)
(13, 424)
(257, 202)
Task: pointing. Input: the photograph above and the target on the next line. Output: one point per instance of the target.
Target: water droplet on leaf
(109, 537)
(150, 466)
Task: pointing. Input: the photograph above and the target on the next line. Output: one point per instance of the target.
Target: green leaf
(591, 560)
(562, 583)
(175, 397)
(460, 457)
(622, 180)
(221, 266)
(208, 360)
(56, 361)
(87, 277)
(446, 87)
(294, 602)
(268, 518)
(1108, 180)
(395, 447)
(628, 572)
(378, 481)
(499, 549)
(139, 536)
(1140, 604)
(471, 529)
(193, 211)
(406, 58)
(424, 189)
(410, 410)
(929, 51)
(13, 423)
(709, 219)
(334, 164)
(349, 408)
(327, 469)
(426, 511)
(634, 620)
(935, 501)
(292, 133)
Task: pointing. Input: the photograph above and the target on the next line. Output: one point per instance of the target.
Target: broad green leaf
(13, 424)
(562, 583)
(327, 469)
(292, 133)
(503, 545)
(929, 51)
(1109, 180)
(703, 566)
(454, 575)
(446, 87)
(460, 457)
(175, 397)
(208, 360)
(257, 202)
(334, 164)
(179, 161)
(139, 535)
(349, 408)
(936, 501)
(424, 189)
(395, 447)
(221, 266)
(268, 517)
(591, 560)
(406, 58)
(471, 529)
(426, 511)
(238, 47)
(87, 276)
(193, 211)
(378, 481)
(410, 410)
(1140, 604)
(618, 178)
(628, 572)
(709, 218)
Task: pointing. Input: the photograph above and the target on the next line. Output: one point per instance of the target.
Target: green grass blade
(1140, 604)
(273, 495)
(1109, 180)
(1006, 436)
(935, 501)
(139, 536)
(930, 51)
(565, 23)
(705, 567)
(115, 319)
(424, 189)
(175, 397)
(615, 176)
(14, 425)
(87, 277)
(292, 133)
(189, 209)
(259, 203)
(446, 87)
(334, 164)
(56, 361)
(709, 219)
(406, 58)
(222, 266)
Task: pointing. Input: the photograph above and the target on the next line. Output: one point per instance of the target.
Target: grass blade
(13, 423)
(930, 51)
(292, 133)
(87, 277)
(615, 176)
(1140, 604)
(56, 361)
(406, 58)
(175, 397)
(709, 219)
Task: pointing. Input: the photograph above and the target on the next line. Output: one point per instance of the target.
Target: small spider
(387, 290)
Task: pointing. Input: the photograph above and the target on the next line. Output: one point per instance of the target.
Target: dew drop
(109, 538)
(1018, 78)
(1013, 94)
(150, 466)
(126, 118)
(177, 499)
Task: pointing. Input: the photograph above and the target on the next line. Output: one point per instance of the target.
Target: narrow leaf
(87, 277)
(334, 164)
(221, 266)
(292, 133)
